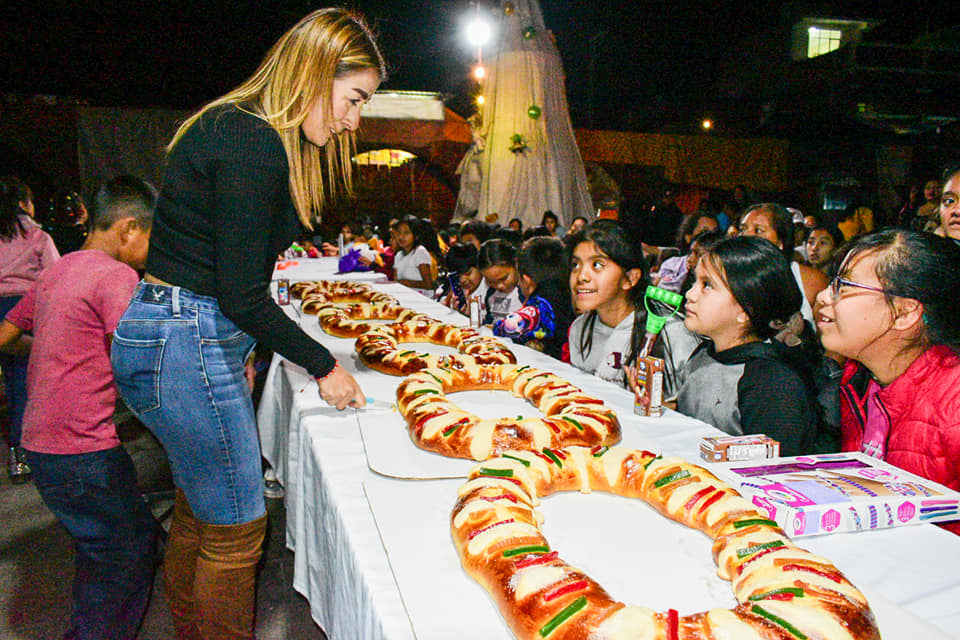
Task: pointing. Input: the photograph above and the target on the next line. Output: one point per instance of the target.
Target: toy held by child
(543, 320)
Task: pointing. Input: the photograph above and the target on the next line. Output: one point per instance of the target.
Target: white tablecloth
(342, 566)
(320, 269)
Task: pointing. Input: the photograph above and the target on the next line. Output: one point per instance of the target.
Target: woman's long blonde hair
(298, 71)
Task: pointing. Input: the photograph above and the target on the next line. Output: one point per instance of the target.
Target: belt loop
(176, 302)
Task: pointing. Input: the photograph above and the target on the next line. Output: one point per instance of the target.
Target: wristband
(328, 374)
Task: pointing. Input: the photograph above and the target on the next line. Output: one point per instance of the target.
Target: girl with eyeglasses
(893, 310)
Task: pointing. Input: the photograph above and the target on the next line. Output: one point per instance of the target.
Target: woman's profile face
(349, 93)
(759, 223)
(950, 207)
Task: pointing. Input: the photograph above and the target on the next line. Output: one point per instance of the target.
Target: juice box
(648, 400)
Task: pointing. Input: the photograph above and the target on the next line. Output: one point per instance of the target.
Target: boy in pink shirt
(83, 474)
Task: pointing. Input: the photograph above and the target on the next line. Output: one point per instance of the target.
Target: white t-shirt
(500, 305)
(406, 266)
(609, 348)
(805, 310)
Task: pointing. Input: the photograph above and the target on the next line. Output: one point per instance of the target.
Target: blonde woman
(244, 175)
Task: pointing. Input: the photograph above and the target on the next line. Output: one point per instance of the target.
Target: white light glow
(479, 32)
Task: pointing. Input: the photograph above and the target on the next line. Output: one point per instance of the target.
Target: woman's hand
(340, 390)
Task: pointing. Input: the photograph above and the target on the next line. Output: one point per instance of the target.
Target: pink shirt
(72, 311)
(23, 257)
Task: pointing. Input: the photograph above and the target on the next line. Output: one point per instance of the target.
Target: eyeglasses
(838, 282)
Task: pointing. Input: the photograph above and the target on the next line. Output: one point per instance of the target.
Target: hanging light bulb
(479, 31)
(480, 100)
(479, 72)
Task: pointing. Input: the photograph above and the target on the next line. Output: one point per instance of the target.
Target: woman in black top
(244, 175)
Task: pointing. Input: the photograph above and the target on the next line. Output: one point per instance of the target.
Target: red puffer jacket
(924, 408)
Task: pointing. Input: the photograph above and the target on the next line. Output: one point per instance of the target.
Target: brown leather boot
(225, 580)
(180, 567)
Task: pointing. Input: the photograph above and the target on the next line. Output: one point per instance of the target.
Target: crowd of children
(769, 339)
(857, 350)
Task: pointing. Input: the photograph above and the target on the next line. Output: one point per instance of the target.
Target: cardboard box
(812, 495)
(738, 448)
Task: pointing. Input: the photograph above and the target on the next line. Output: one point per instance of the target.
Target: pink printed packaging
(814, 495)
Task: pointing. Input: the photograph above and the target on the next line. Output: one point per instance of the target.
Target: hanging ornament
(508, 8)
(518, 144)
(528, 33)
(533, 111)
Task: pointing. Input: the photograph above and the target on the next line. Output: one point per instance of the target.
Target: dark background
(630, 64)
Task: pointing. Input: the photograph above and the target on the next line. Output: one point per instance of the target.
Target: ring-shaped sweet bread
(436, 423)
(350, 320)
(783, 591)
(379, 348)
(314, 294)
(306, 287)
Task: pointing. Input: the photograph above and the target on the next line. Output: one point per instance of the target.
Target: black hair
(687, 225)
(706, 240)
(122, 197)
(834, 232)
(780, 220)
(460, 258)
(760, 280)
(13, 191)
(624, 249)
(477, 228)
(496, 252)
(510, 235)
(948, 173)
(542, 259)
(923, 267)
(536, 231)
(818, 219)
(423, 234)
(549, 215)
(517, 220)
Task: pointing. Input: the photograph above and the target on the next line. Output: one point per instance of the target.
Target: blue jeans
(95, 497)
(179, 365)
(15, 380)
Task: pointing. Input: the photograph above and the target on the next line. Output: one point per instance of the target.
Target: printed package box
(812, 495)
(738, 448)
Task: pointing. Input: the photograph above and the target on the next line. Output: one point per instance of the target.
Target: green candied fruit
(498, 473)
(673, 477)
(563, 616)
(525, 463)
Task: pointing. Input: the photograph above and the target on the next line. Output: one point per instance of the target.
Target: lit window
(821, 41)
(383, 158)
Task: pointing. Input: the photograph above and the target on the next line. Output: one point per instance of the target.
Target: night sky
(654, 64)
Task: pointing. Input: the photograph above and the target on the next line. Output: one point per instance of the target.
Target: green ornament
(528, 33)
(533, 111)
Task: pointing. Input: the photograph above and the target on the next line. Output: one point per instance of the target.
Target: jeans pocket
(136, 367)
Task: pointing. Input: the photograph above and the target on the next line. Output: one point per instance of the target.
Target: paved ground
(36, 566)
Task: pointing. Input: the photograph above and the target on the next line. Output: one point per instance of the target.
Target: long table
(356, 554)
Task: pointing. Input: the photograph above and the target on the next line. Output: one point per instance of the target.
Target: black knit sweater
(223, 215)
